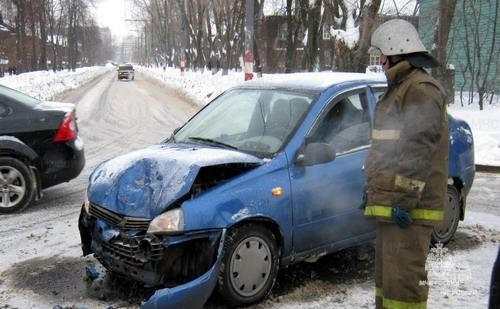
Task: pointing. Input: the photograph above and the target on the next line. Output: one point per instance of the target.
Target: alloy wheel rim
(250, 266)
(12, 186)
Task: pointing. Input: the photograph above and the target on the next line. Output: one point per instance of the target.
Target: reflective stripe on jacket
(407, 166)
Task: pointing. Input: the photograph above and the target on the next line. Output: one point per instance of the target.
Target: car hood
(146, 182)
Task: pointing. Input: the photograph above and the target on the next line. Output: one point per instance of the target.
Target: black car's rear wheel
(447, 228)
(16, 185)
(249, 266)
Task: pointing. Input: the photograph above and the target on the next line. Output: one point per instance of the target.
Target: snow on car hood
(144, 183)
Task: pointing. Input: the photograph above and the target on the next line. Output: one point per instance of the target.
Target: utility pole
(249, 33)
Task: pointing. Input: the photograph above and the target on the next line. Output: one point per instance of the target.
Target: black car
(39, 147)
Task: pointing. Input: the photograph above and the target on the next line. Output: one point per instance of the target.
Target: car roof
(314, 81)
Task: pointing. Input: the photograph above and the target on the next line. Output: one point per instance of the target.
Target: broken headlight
(86, 204)
(170, 222)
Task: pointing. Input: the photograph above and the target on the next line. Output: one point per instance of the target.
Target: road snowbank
(198, 86)
(46, 85)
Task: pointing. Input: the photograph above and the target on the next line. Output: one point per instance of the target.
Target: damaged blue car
(266, 175)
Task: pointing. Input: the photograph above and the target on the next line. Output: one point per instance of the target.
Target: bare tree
(293, 26)
(353, 55)
(481, 49)
(312, 17)
(20, 20)
(259, 18)
(42, 24)
(55, 20)
(33, 19)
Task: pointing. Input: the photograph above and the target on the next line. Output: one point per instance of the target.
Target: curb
(487, 169)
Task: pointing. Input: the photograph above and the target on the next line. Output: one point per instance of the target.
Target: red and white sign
(248, 66)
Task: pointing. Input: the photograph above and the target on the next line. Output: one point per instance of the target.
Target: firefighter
(406, 168)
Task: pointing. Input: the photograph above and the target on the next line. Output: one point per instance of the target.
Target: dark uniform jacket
(407, 166)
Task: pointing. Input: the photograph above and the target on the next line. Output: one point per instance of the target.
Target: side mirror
(315, 153)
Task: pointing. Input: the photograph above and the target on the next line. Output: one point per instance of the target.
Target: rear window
(17, 96)
(125, 67)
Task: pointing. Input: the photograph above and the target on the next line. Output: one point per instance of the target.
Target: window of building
(374, 60)
(326, 32)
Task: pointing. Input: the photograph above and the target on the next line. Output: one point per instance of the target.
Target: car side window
(346, 123)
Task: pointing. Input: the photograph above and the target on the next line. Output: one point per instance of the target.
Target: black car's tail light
(67, 131)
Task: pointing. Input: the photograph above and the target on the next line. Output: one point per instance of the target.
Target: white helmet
(396, 37)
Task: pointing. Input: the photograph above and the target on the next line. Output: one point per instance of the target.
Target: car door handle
(363, 167)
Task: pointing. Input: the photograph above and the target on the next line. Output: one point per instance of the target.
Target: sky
(112, 14)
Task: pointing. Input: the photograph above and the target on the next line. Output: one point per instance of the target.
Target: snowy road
(114, 117)
(41, 263)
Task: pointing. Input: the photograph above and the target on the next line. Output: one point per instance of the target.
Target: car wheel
(445, 231)
(249, 266)
(16, 185)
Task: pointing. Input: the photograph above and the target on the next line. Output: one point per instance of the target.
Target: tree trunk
(313, 27)
(291, 37)
(442, 30)
(34, 37)
(43, 34)
(21, 55)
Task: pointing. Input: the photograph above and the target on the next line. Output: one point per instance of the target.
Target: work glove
(401, 217)
(364, 199)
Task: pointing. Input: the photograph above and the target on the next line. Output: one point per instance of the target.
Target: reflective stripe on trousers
(386, 211)
(396, 304)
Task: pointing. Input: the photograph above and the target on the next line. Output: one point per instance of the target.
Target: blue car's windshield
(252, 120)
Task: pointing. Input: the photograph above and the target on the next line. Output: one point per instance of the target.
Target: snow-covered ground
(485, 127)
(46, 85)
(201, 86)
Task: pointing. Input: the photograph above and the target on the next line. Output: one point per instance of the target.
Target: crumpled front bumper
(191, 295)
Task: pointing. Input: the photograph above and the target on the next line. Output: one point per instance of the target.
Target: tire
(445, 231)
(247, 250)
(17, 186)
